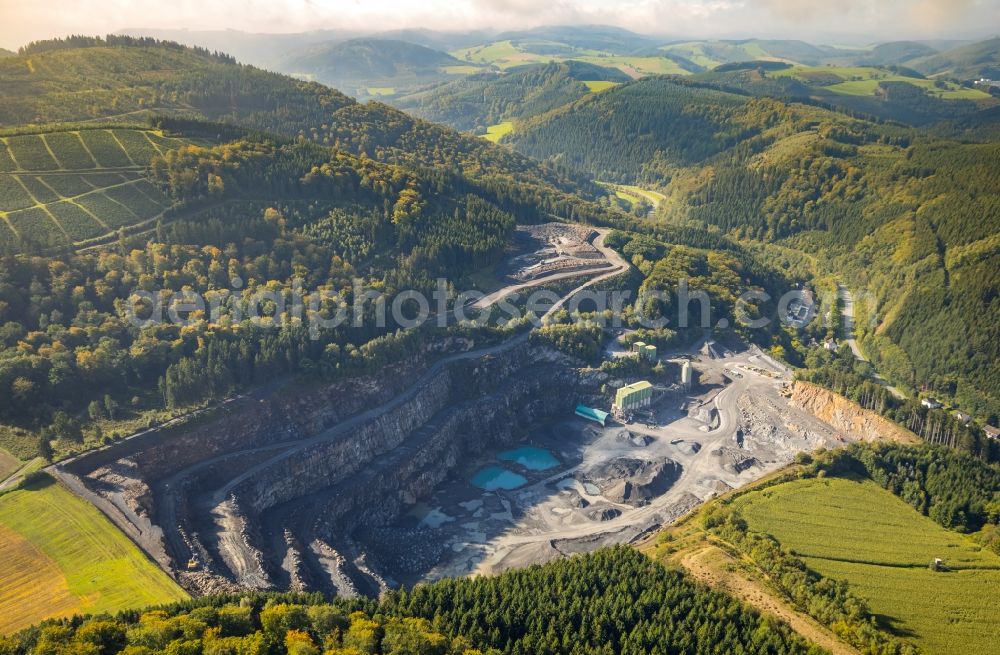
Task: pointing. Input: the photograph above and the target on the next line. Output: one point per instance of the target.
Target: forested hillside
(126, 79)
(297, 182)
(905, 216)
(613, 601)
(475, 102)
(895, 52)
(981, 59)
(260, 212)
(895, 92)
(370, 66)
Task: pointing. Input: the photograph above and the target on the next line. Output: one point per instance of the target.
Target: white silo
(686, 375)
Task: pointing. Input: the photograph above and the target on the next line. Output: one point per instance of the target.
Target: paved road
(848, 322)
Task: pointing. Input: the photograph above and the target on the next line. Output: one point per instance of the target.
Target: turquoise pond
(533, 459)
(492, 478)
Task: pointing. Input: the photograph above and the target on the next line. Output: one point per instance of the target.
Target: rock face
(635, 481)
(848, 417)
(267, 493)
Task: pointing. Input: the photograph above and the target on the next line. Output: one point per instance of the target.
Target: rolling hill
(844, 532)
(632, 54)
(966, 62)
(475, 102)
(894, 53)
(606, 38)
(709, 54)
(882, 548)
(892, 210)
(896, 93)
(129, 80)
(125, 79)
(361, 65)
(257, 49)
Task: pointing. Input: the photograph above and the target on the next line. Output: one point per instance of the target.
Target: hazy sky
(854, 20)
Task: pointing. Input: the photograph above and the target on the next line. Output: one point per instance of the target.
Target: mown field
(59, 556)
(70, 186)
(856, 531)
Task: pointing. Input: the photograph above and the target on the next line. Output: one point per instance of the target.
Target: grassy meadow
(858, 532)
(596, 86)
(496, 132)
(60, 556)
(507, 54)
(634, 194)
(864, 81)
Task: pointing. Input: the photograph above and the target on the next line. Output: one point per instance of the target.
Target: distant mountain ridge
(368, 62)
(895, 52)
(477, 101)
(980, 59)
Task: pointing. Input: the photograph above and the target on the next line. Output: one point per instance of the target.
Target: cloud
(932, 14)
(21, 20)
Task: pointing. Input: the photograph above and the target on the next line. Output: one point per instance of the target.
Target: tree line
(613, 601)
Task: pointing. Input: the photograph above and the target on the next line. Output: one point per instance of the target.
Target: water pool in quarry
(531, 458)
(492, 478)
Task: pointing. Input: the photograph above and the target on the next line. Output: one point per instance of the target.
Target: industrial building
(634, 396)
(645, 350)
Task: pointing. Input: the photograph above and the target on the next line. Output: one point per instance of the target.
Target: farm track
(716, 568)
(75, 200)
(97, 173)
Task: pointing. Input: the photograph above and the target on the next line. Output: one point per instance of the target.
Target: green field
(496, 132)
(864, 81)
(381, 90)
(710, 54)
(74, 185)
(60, 556)
(596, 86)
(465, 69)
(505, 54)
(695, 52)
(636, 66)
(633, 194)
(498, 53)
(856, 531)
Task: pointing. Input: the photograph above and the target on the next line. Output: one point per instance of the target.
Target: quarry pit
(467, 463)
